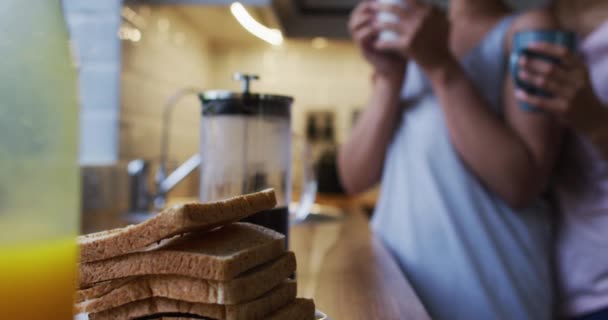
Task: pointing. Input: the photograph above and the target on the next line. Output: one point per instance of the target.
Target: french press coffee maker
(245, 146)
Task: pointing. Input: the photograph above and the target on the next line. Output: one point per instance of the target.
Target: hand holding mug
(365, 34)
(421, 32)
(562, 81)
(546, 72)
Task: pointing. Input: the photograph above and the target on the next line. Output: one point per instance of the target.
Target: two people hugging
(488, 131)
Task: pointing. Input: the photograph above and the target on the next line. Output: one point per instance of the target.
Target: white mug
(389, 35)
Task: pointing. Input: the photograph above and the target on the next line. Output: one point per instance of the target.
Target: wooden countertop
(341, 265)
(350, 274)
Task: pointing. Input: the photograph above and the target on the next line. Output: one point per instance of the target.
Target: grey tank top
(467, 254)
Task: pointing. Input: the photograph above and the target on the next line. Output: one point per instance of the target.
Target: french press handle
(245, 80)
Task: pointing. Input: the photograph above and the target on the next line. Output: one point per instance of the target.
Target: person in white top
(462, 166)
(580, 89)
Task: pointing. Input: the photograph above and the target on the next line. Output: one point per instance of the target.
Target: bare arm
(513, 157)
(599, 133)
(573, 99)
(582, 110)
(600, 139)
(589, 117)
(361, 159)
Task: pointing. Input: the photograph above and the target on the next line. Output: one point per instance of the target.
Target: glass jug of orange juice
(39, 174)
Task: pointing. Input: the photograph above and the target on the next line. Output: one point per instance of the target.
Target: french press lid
(223, 102)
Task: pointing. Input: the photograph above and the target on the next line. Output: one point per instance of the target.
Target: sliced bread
(99, 289)
(300, 309)
(246, 287)
(257, 309)
(170, 222)
(220, 254)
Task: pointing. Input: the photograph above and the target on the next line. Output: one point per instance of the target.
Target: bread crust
(300, 309)
(257, 309)
(170, 222)
(247, 287)
(220, 254)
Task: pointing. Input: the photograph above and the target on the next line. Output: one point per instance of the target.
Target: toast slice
(247, 287)
(170, 222)
(300, 309)
(220, 254)
(100, 289)
(257, 309)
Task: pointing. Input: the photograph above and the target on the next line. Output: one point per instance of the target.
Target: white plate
(321, 316)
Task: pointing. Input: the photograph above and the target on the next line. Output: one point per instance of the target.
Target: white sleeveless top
(467, 254)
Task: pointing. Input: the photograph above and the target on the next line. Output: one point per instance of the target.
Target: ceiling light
(272, 36)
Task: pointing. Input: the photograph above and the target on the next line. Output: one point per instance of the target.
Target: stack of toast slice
(193, 261)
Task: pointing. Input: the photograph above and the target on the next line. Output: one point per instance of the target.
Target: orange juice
(37, 281)
(39, 173)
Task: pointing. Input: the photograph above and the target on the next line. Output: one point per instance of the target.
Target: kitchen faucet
(141, 199)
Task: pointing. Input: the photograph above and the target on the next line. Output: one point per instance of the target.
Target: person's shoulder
(530, 20)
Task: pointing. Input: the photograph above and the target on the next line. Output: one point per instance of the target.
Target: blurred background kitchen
(164, 46)
(134, 55)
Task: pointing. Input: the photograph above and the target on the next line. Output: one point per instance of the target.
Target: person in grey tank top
(461, 166)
